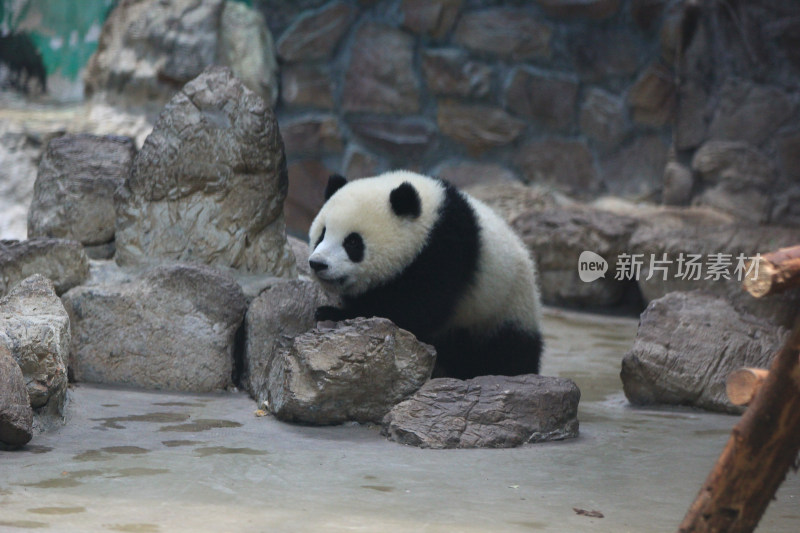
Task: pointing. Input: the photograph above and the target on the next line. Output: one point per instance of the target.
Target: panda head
(370, 230)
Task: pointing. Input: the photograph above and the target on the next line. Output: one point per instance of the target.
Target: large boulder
(736, 178)
(357, 371)
(148, 49)
(687, 344)
(486, 412)
(274, 318)
(35, 328)
(669, 239)
(16, 415)
(559, 235)
(62, 261)
(209, 183)
(73, 197)
(172, 328)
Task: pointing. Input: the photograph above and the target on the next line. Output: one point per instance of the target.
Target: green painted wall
(64, 31)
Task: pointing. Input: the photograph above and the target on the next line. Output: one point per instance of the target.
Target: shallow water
(157, 462)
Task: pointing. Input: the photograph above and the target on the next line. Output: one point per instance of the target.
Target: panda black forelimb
(329, 312)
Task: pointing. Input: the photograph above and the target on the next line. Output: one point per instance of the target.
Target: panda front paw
(328, 312)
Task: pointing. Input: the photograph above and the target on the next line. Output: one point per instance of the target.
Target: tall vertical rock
(208, 185)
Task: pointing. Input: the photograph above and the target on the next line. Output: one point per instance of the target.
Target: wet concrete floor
(136, 461)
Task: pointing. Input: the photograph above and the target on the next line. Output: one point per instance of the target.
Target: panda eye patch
(354, 246)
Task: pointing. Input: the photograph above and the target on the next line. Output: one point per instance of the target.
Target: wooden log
(776, 272)
(743, 384)
(762, 447)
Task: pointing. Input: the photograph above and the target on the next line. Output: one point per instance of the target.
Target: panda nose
(317, 266)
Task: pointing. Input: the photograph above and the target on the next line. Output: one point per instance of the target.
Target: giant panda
(435, 261)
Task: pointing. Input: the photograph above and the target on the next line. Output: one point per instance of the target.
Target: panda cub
(436, 262)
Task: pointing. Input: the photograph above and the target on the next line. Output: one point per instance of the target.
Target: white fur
(392, 242)
(505, 288)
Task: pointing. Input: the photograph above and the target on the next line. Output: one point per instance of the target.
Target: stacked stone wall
(573, 94)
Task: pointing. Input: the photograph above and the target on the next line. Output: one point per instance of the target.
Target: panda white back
(507, 287)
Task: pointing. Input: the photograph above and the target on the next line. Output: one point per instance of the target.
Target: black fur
(354, 246)
(24, 61)
(509, 351)
(423, 297)
(405, 201)
(335, 182)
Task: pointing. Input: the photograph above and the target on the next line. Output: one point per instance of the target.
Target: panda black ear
(335, 182)
(405, 201)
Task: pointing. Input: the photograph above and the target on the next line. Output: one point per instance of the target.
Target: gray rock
(545, 97)
(559, 234)
(450, 72)
(564, 164)
(173, 328)
(486, 412)
(246, 46)
(653, 96)
(464, 174)
(148, 49)
(307, 85)
(788, 146)
(749, 112)
(380, 77)
(405, 138)
(512, 199)
(62, 261)
(603, 51)
(308, 178)
(678, 184)
(516, 34)
(786, 207)
(702, 233)
(274, 318)
(16, 415)
(593, 9)
(35, 328)
(301, 252)
(315, 34)
(73, 196)
(603, 119)
(431, 17)
(687, 344)
(690, 123)
(478, 127)
(737, 179)
(357, 371)
(361, 163)
(636, 170)
(209, 183)
(312, 135)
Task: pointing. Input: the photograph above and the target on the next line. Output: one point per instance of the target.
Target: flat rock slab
(62, 261)
(16, 415)
(34, 327)
(687, 344)
(209, 183)
(172, 328)
(355, 372)
(486, 412)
